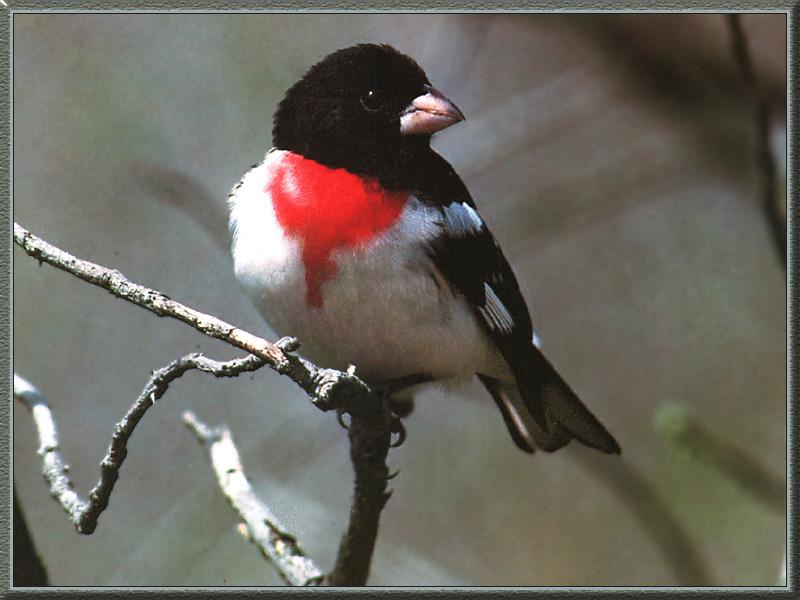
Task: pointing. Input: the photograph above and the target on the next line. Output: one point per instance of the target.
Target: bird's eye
(372, 100)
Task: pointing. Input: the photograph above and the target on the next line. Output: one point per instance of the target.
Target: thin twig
(163, 306)
(84, 513)
(766, 162)
(262, 526)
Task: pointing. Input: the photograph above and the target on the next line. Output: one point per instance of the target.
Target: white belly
(383, 311)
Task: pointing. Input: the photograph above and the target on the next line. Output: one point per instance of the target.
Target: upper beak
(429, 113)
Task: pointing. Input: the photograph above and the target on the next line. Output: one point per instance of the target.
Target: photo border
(8, 8)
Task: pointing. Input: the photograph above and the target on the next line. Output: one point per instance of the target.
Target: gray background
(613, 157)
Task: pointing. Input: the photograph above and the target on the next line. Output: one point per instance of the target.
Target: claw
(401, 407)
(400, 430)
(340, 418)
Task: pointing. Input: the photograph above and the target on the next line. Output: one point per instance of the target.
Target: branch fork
(372, 424)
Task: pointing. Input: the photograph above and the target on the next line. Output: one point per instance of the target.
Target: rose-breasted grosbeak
(354, 236)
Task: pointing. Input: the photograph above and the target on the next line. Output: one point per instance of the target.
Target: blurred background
(615, 157)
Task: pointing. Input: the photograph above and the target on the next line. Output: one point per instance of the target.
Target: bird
(357, 238)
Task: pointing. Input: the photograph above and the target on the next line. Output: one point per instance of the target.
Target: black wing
(470, 259)
(468, 256)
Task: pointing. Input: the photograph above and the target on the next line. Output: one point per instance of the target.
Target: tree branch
(329, 389)
(370, 435)
(371, 428)
(262, 526)
(84, 513)
(163, 306)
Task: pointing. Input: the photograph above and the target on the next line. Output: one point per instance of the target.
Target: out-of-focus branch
(732, 461)
(29, 571)
(262, 526)
(84, 513)
(187, 195)
(653, 513)
(766, 163)
(686, 433)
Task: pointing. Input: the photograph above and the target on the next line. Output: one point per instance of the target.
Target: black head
(367, 108)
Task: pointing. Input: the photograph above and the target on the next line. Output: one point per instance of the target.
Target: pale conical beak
(429, 113)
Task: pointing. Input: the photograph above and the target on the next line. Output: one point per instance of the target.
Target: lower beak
(429, 113)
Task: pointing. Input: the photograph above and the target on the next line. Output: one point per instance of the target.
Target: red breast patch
(327, 209)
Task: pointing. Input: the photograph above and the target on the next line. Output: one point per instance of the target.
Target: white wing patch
(461, 220)
(496, 313)
(475, 217)
(537, 341)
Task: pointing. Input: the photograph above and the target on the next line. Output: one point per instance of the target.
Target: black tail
(540, 390)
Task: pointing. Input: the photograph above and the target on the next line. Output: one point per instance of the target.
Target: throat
(327, 210)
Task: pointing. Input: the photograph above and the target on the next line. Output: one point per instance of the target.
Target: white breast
(384, 311)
